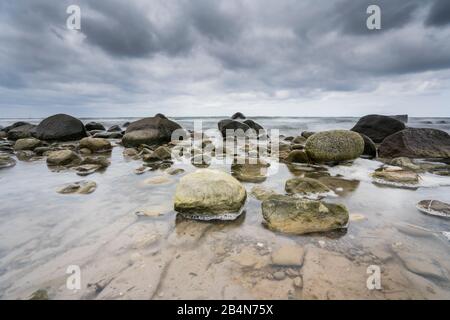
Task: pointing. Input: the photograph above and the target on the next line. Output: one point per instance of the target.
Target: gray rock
(60, 127)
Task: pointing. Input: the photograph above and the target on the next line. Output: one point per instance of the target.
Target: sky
(213, 58)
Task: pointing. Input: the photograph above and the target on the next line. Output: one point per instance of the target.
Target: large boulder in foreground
(300, 216)
(152, 131)
(378, 127)
(416, 143)
(334, 146)
(61, 127)
(209, 194)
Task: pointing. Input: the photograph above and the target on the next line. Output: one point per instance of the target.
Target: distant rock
(233, 125)
(301, 216)
(416, 143)
(15, 125)
(238, 115)
(94, 126)
(22, 132)
(334, 146)
(378, 127)
(253, 125)
(115, 128)
(60, 127)
(155, 130)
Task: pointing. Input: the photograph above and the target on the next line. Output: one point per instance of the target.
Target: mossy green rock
(334, 146)
(300, 216)
(207, 193)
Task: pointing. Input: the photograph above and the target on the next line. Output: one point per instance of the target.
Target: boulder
(238, 115)
(150, 131)
(305, 186)
(61, 127)
(95, 144)
(300, 216)
(6, 161)
(63, 158)
(370, 149)
(159, 154)
(334, 146)
(228, 124)
(434, 208)
(250, 172)
(27, 144)
(416, 143)
(15, 125)
(253, 125)
(378, 127)
(94, 126)
(297, 156)
(115, 128)
(22, 132)
(209, 194)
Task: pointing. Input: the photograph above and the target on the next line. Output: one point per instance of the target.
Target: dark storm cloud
(439, 14)
(136, 51)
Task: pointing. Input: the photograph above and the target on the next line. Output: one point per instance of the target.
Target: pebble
(279, 275)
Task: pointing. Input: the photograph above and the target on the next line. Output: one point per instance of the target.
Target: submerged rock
(209, 194)
(416, 143)
(27, 144)
(100, 161)
(80, 187)
(396, 176)
(305, 186)
(248, 172)
(63, 158)
(95, 144)
(262, 193)
(288, 256)
(338, 184)
(434, 208)
(378, 127)
(405, 163)
(300, 216)
(61, 127)
(6, 162)
(336, 145)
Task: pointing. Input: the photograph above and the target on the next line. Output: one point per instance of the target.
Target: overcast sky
(210, 57)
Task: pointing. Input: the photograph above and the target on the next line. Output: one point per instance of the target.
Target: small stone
(80, 187)
(279, 275)
(298, 282)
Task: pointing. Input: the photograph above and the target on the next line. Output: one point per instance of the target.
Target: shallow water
(125, 256)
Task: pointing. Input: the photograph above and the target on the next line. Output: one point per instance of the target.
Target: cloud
(148, 55)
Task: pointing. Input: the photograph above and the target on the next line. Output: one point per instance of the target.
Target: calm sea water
(125, 256)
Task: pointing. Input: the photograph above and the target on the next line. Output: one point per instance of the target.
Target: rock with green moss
(334, 146)
(305, 186)
(209, 194)
(301, 216)
(40, 294)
